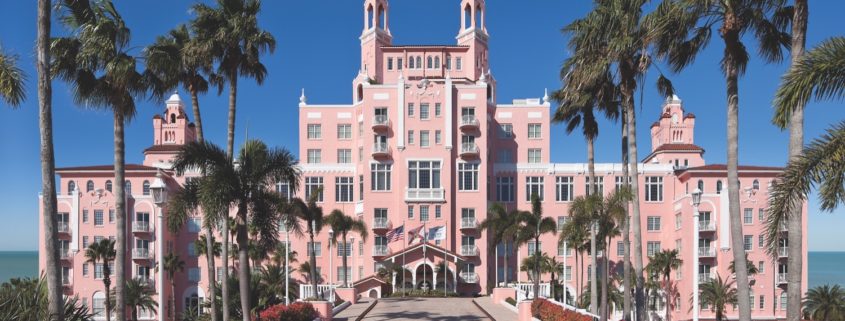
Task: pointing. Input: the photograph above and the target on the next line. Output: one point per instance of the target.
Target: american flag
(396, 234)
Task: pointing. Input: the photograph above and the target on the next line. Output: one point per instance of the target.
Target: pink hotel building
(426, 142)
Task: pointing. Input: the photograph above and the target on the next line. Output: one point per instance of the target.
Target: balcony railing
(381, 223)
(706, 226)
(783, 252)
(469, 277)
(706, 252)
(381, 121)
(66, 281)
(783, 278)
(148, 282)
(469, 250)
(142, 254)
(469, 222)
(704, 277)
(65, 254)
(469, 121)
(381, 149)
(140, 226)
(381, 250)
(425, 194)
(469, 149)
(64, 227)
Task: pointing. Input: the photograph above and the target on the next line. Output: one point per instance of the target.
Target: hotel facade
(426, 143)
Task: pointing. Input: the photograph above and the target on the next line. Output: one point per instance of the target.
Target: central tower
(473, 34)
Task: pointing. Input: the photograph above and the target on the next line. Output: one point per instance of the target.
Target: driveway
(439, 309)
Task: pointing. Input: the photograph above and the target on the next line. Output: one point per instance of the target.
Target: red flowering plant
(547, 311)
(298, 311)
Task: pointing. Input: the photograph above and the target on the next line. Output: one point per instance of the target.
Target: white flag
(436, 233)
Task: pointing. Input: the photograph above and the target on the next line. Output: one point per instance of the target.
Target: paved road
(436, 309)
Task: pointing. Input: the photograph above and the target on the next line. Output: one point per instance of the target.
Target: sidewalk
(497, 311)
(352, 312)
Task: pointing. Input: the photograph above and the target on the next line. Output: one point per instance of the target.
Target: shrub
(548, 311)
(299, 311)
(511, 301)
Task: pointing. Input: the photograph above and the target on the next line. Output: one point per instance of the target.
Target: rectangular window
(620, 181)
(380, 177)
(653, 188)
(534, 156)
(678, 222)
(84, 242)
(561, 251)
(389, 63)
(192, 249)
(410, 137)
(360, 248)
(314, 185)
(315, 247)
(761, 214)
(410, 212)
(423, 213)
(599, 183)
(344, 131)
(424, 138)
(84, 216)
(653, 223)
(438, 137)
(561, 222)
(411, 110)
(111, 214)
(563, 188)
(438, 110)
(468, 176)
(360, 128)
(762, 302)
(652, 248)
(98, 271)
(315, 156)
(85, 269)
(458, 63)
(98, 307)
(194, 275)
(761, 241)
(505, 131)
(344, 250)
(344, 156)
(761, 267)
(437, 211)
(98, 217)
(567, 275)
(748, 216)
(399, 63)
(533, 185)
(532, 249)
(423, 174)
(194, 224)
(360, 154)
(748, 242)
(505, 189)
(424, 111)
(344, 187)
(360, 187)
(344, 274)
(620, 248)
(534, 131)
(448, 62)
(315, 131)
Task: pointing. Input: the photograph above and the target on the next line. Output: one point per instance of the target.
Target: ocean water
(824, 267)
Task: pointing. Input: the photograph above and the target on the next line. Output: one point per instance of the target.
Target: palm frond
(12, 80)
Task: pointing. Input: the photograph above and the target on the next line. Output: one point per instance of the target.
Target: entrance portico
(426, 266)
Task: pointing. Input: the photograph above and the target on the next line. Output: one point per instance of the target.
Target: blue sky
(318, 49)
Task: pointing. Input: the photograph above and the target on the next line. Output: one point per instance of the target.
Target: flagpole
(403, 258)
(445, 264)
(425, 242)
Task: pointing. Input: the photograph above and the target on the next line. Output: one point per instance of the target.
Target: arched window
(419, 62)
(719, 187)
(89, 186)
(382, 18)
(437, 62)
(701, 186)
(429, 63)
(108, 185)
(71, 186)
(411, 62)
(192, 304)
(369, 17)
(755, 185)
(146, 187)
(172, 118)
(783, 300)
(128, 188)
(467, 17)
(360, 92)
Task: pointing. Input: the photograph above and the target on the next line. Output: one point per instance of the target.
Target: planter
(324, 309)
(500, 294)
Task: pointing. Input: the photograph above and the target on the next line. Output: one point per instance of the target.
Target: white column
(455, 285)
(393, 261)
(434, 282)
(448, 112)
(400, 112)
(695, 306)
(159, 251)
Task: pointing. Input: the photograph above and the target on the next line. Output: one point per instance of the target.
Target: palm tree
(309, 272)
(584, 211)
(553, 266)
(576, 236)
(139, 295)
(56, 304)
(200, 243)
(535, 266)
(662, 264)
(243, 186)
(103, 251)
(312, 215)
(614, 295)
(503, 227)
(687, 31)
(752, 269)
(27, 299)
(12, 80)
(96, 62)
(825, 302)
(532, 225)
(342, 224)
(717, 293)
(172, 264)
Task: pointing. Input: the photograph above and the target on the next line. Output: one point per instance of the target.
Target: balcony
(469, 223)
(783, 252)
(381, 122)
(381, 223)
(706, 226)
(141, 254)
(66, 283)
(706, 252)
(381, 250)
(469, 277)
(469, 122)
(783, 278)
(424, 194)
(145, 281)
(469, 149)
(469, 250)
(381, 150)
(141, 227)
(65, 254)
(704, 277)
(64, 228)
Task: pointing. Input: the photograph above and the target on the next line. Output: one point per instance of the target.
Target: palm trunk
(233, 95)
(243, 260)
(172, 298)
(669, 304)
(537, 263)
(626, 237)
(592, 188)
(795, 235)
(53, 270)
(195, 105)
(604, 281)
(108, 303)
(580, 278)
(731, 38)
(313, 258)
(225, 254)
(120, 215)
(134, 312)
(627, 86)
(345, 277)
(212, 282)
(506, 263)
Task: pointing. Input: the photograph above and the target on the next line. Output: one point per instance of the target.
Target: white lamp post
(696, 200)
(159, 190)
